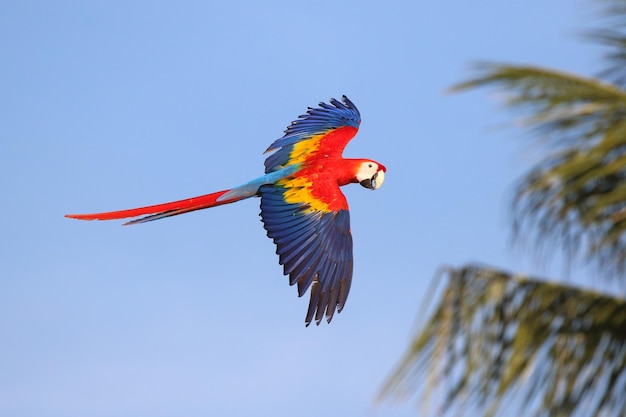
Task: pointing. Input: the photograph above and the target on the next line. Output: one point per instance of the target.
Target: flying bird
(302, 207)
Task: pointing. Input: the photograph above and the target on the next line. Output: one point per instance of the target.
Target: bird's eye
(369, 166)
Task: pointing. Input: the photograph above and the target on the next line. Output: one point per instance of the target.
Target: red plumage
(302, 206)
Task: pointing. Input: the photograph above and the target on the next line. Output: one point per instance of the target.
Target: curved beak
(375, 182)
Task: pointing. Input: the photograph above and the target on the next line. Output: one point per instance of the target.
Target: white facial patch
(366, 171)
(370, 176)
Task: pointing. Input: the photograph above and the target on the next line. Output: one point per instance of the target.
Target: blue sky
(113, 105)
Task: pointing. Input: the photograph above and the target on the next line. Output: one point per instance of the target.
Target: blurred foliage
(574, 195)
(499, 342)
(503, 344)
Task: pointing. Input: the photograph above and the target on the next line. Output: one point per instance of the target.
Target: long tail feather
(160, 211)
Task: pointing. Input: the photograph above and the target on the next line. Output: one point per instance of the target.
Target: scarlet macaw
(302, 207)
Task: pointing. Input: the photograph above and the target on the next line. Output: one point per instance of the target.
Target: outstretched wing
(327, 128)
(307, 214)
(313, 244)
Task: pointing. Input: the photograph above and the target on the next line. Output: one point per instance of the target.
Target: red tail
(160, 211)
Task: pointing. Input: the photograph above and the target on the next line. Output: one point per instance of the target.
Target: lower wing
(314, 246)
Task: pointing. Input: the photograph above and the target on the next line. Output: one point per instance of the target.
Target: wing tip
(329, 317)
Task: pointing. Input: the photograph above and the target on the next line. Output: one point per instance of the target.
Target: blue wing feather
(316, 121)
(315, 249)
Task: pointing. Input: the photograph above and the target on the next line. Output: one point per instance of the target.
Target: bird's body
(302, 207)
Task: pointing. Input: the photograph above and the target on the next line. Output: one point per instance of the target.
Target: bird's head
(371, 174)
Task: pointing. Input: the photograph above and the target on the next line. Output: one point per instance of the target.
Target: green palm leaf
(575, 195)
(496, 339)
(504, 344)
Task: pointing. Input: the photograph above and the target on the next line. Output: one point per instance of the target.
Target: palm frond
(498, 341)
(574, 195)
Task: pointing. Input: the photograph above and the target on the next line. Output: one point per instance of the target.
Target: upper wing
(313, 242)
(327, 129)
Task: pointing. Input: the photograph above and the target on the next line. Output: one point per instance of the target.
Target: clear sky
(110, 105)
